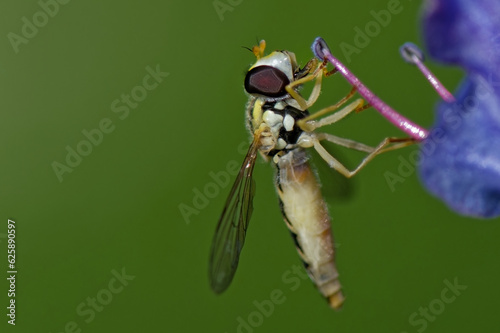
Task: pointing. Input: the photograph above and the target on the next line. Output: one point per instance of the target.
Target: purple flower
(460, 160)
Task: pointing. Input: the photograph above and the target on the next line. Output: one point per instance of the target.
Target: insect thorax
(279, 119)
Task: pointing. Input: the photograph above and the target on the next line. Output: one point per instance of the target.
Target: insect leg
(322, 112)
(311, 125)
(344, 142)
(318, 75)
(382, 147)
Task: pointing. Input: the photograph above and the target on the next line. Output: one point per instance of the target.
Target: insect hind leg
(387, 144)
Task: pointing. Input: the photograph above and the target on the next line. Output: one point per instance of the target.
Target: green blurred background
(118, 210)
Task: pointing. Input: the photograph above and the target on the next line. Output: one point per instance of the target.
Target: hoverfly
(282, 128)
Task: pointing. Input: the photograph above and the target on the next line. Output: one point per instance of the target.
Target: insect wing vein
(231, 230)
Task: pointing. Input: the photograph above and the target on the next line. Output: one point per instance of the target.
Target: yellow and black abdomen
(306, 215)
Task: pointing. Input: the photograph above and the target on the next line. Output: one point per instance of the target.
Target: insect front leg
(318, 76)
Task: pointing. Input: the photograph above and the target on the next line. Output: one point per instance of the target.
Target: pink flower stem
(321, 50)
(412, 54)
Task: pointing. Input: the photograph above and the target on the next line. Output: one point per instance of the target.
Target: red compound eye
(266, 80)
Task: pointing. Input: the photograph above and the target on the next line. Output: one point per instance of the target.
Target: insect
(282, 129)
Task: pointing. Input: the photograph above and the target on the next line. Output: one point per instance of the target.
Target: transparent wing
(232, 227)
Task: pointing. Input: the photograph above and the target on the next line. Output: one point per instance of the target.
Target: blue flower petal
(464, 32)
(460, 160)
